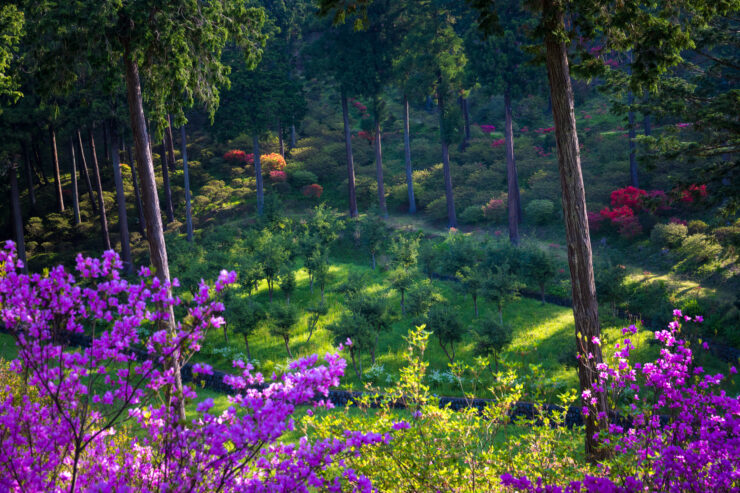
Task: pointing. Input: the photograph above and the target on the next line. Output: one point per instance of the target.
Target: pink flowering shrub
(68, 436)
(679, 431)
(278, 176)
(498, 143)
(489, 129)
(495, 209)
(693, 193)
(314, 190)
(272, 162)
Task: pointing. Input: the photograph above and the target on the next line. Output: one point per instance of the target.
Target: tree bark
(150, 200)
(350, 159)
(379, 168)
(99, 190)
(451, 216)
(258, 176)
(466, 123)
(170, 144)
(15, 203)
(287, 347)
(120, 198)
(585, 306)
(75, 189)
(246, 345)
(407, 155)
(186, 176)
(29, 174)
(168, 209)
(648, 127)
(39, 164)
(513, 199)
(137, 194)
(292, 137)
(57, 174)
(280, 138)
(632, 146)
(86, 173)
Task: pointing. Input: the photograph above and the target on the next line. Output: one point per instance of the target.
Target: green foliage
(697, 226)
(472, 215)
(421, 296)
(283, 318)
(404, 250)
(670, 235)
(696, 250)
(610, 284)
(491, 338)
(373, 232)
(539, 211)
(401, 279)
(502, 287)
(287, 282)
(539, 268)
(471, 282)
(442, 320)
(11, 27)
(271, 252)
(301, 178)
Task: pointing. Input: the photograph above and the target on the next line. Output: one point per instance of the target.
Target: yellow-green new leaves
(11, 30)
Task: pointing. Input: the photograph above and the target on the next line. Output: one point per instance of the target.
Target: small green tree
(491, 338)
(539, 267)
(245, 317)
(353, 284)
(371, 310)
(421, 296)
(271, 252)
(287, 283)
(471, 282)
(314, 314)
(443, 321)
(321, 274)
(250, 274)
(282, 320)
(404, 250)
(610, 285)
(428, 258)
(501, 287)
(374, 233)
(401, 280)
(358, 331)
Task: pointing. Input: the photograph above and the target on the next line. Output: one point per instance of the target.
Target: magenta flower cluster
(680, 431)
(105, 417)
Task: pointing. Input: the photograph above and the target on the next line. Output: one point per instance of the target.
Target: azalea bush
(278, 176)
(679, 431)
(314, 190)
(108, 416)
(272, 162)
(235, 156)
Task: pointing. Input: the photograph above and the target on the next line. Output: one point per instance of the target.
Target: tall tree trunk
(407, 155)
(29, 174)
(585, 305)
(258, 176)
(150, 199)
(170, 144)
(168, 209)
(466, 123)
(39, 163)
(631, 132)
(350, 159)
(293, 140)
(57, 173)
(137, 195)
(379, 168)
(186, 176)
(513, 199)
(99, 190)
(120, 197)
(75, 189)
(280, 138)
(451, 216)
(86, 173)
(15, 203)
(106, 144)
(648, 127)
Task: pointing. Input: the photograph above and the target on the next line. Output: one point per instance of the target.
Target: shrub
(472, 215)
(539, 211)
(278, 176)
(728, 236)
(314, 190)
(697, 226)
(236, 156)
(495, 209)
(595, 221)
(301, 178)
(696, 250)
(629, 196)
(670, 235)
(272, 162)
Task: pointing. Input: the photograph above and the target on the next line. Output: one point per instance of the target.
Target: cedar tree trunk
(120, 198)
(99, 190)
(379, 168)
(407, 155)
(350, 160)
(186, 176)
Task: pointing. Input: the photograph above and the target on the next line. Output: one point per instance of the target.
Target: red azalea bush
(278, 176)
(362, 134)
(498, 143)
(314, 190)
(272, 162)
(628, 196)
(488, 128)
(693, 193)
(235, 156)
